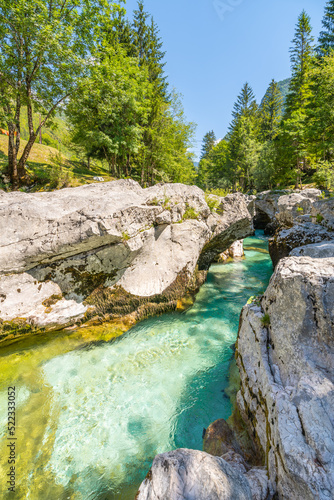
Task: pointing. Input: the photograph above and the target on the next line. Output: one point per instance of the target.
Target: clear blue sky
(214, 46)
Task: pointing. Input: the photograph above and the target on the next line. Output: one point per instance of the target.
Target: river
(91, 416)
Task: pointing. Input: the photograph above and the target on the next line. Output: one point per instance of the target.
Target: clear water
(91, 417)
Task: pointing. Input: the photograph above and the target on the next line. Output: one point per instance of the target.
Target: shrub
(319, 218)
(60, 176)
(265, 320)
(212, 203)
(190, 213)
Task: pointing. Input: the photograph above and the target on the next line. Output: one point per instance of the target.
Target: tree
(320, 118)
(243, 138)
(271, 112)
(294, 129)
(326, 37)
(109, 110)
(45, 50)
(209, 141)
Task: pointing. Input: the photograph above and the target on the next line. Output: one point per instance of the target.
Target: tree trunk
(21, 168)
(12, 157)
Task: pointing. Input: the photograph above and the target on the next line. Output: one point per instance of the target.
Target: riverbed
(90, 416)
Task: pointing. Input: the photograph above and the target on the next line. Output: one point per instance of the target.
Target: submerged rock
(107, 250)
(285, 354)
(194, 475)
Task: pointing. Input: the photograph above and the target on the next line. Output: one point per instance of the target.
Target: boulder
(323, 212)
(299, 235)
(110, 249)
(193, 475)
(236, 250)
(323, 250)
(283, 208)
(285, 354)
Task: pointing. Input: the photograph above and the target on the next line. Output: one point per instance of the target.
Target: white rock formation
(236, 250)
(285, 354)
(75, 242)
(285, 208)
(194, 475)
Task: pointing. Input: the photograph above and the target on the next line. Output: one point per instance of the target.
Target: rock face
(283, 208)
(299, 235)
(236, 250)
(106, 250)
(323, 212)
(193, 475)
(285, 354)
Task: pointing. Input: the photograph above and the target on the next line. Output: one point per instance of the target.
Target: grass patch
(41, 169)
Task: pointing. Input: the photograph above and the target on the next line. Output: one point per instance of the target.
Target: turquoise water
(100, 413)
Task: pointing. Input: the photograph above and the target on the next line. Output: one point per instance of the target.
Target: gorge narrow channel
(91, 417)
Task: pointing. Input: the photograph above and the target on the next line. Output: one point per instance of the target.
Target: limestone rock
(296, 205)
(286, 240)
(323, 212)
(194, 475)
(323, 250)
(111, 248)
(284, 208)
(236, 250)
(285, 354)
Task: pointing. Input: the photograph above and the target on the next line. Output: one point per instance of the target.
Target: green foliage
(125, 236)
(190, 213)
(319, 218)
(326, 37)
(212, 202)
(271, 112)
(59, 176)
(46, 48)
(265, 321)
(209, 141)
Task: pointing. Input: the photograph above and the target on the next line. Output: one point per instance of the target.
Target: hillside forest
(84, 92)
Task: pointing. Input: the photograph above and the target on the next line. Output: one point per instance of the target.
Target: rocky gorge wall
(105, 251)
(280, 440)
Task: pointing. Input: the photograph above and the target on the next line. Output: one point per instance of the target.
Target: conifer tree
(243, 138)
(209, 141)
(294, 131)
(271, 112)
(326, 37)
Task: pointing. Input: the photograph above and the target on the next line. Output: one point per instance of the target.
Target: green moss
(125, 236)
(16, 327)
(52, 300)
(117, 302)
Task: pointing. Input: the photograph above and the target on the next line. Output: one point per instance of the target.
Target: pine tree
(155, 60)
(301, 56)
(245, 104)
(140, 32)
(326, 37)
(271, 112)
(294, 131)
(209, 141)
(243, 138)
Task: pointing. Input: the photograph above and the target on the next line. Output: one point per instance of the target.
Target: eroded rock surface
(299, 235)
(194, 475)
(107, 250)
(285, 354)
(283, 208)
